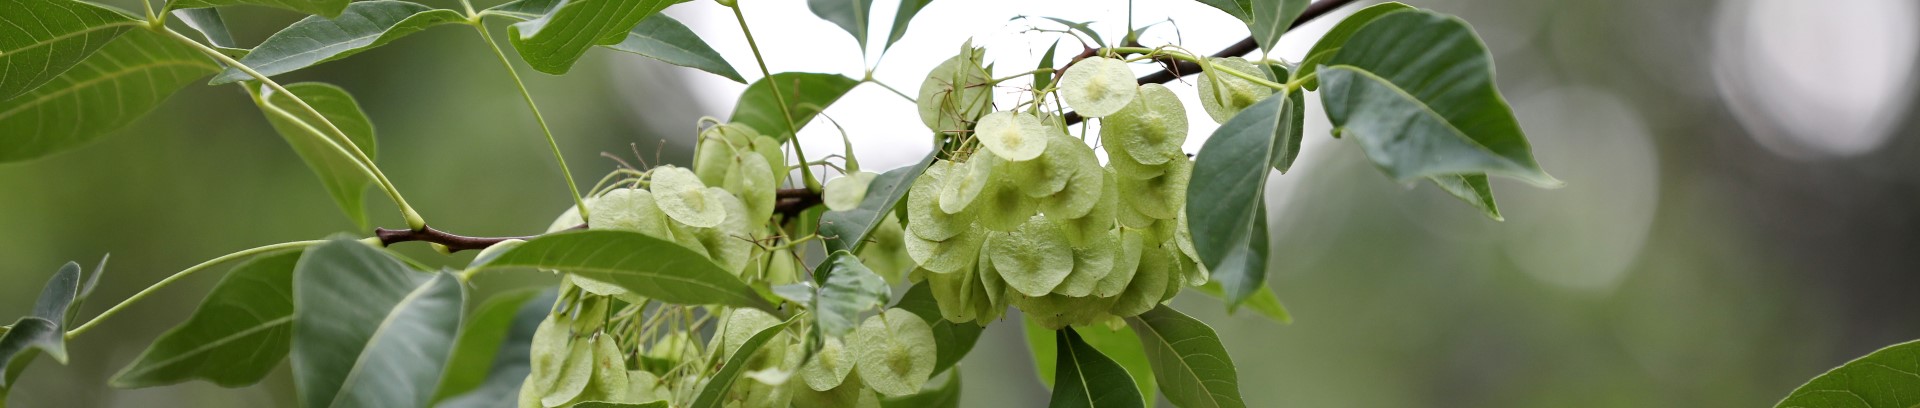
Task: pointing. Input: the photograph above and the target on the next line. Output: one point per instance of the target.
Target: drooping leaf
(1415, 89)
(523, 9)
(713, 394)
(1121, 345)
(1473, 189)
(367, 329)
(651, 267)
(850, 15)
(1337, 37)
(1088, 379)
(86, 289)
(213, 27)
(555, 40)
(805, 93)
(345, 179)
(108, 90)
(314, 40)
(234, 338)
(57, 297)
(323, 8)
(944, 395)
(902, 16)
(1041, 80)
(1263, 301)
(1883, 379)
(848, 230)
(1189, 362)
(1082, 28)
(40, 39)
(1226, 201)
(848, 288)
(1271, 18)
(490, 357)
(662, 38)
(27, 338)
(952, 341)
(1240, 9)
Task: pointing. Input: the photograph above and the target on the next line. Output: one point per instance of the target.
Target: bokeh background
(1742, 209)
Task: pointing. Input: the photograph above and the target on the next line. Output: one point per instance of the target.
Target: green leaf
(555, 40)
(847, 288)
(234, 338)
(1041, 80)
(325, 8)
(1473, 189)
(1263, 301)
(1884, 379)
(1337, 38)
(902, 16)
(951, 341)
(944, 395)
(1083, 28)
(1240, 9)
(314, 40)
(849, 229)
(1119, 344)
(86, 289)
(713, 394)
(1415, 88)
(28, 337)
(490, 357)
(1226, 202)
(806, 95)
(368, 330)
(603, 404)
(665, 39)
(651, 267)
(40, 39)
(850, 15)
(1271, 19)
(57, 297)
(523, 9)
(345, 179)
(1189, 362)
(1089, 379)
(121, 82)
(209, 23)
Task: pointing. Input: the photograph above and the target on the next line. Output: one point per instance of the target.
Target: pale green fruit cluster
(574, 360)
(957, 92)
(739, 159)
(1223, 95)
(1097, 87)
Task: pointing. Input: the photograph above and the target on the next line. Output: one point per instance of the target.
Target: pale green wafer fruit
(1001, 207)
(924, 218)
(1152, 129)
(547, 352)
(1148, 285)
(729, 244)
(1125, 164)
(644, 386)
(1056, 311)
(894, 352)
(1013, 136)
(1050, 172)
(1224, 95)
(964, 183)
(681, 195)
(829, 367)
(1034, 258)
(1098, 220)
(845, 193)
(751, 180)
(1162, 197)
(1125, 264)
(852, 393)
(957, 92)
(1097, 87)
(574, 374)
(1090, 264)
(741, 324)
(957, 294)
(713, 156)
(945, 256)
(1085, 188)
(609, 372)
(627, 209)
(886, 251)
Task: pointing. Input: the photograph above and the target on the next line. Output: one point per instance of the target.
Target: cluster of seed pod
(1030, 218)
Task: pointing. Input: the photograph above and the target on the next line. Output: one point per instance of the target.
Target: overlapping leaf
(234, 338)
(212, 26)
(1271, 18)
(1189, 362)
(851, 15)
(490, 356)
(40, 39)
(712, 395)
(345, 179)
(324, 8)
(314, 40)
(952, 341)
(1240, 9)
(847, 288)
(1087, 379)
(1121, 345)
(1883, 379)
(1226, 202)
(1337, 38)
(847, 230)
(648, 266)
(902, 16)
(665, 39)
(367, 329)
(555, 40)
(805, 94)
(107, 91)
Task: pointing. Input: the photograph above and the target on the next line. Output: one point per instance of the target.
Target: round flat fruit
(1225, 95)
(1160, 198)
(894, 352)
(956, 93)
(852, 393)
(742, 324)
(1125, 263)
(829, 367)
(945, 256)
(1034, 258)
(1151, 129)
(574, 374)
(924, 218)
(684, 198)
(643, 386)
(1097, 220)
(570, 217)
(959, 188)
(1184, 272)
(846, 193)
(609, 371)
(1097, 87)
(1050, 172)
(1001, 207)
(751, 180)
(1148, 285)
(628, 209)
(886, 251)
(956, 294)
(1090, 265)
(1013, 136)
(1084, 190)
(1125, 164)
(1056, 311)
(729, 244)
(713, 156)
(547, 353)
(770, 149)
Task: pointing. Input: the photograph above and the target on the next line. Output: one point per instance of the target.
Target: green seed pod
(742, 324)
(852, 393)
(570, 217)
(644, 386)
(894, 352)
(1097, 220)
(713, 156)
(829, 367)
(729, 244)
(1125, 264)
(945, 256)
(1090, 265)
(1001, 207)
(1124, 164)
(1011, 135)
(886, 252)
(1097, 87)
(686, 237)
(1084, 190)
(1050, 172)
(1034, 258)
(1151, 129)
(530, 393)
(574, 374)
(1160, 198)
(958, 293)
(924, 218)
(1056, 311)
(547, 353)
(957, 92)
(770, 149)
(1148, 285)
(959, 188)
(992, 286)
(626, 209)
(751, 181)
(1225, 95)
(781, 268)
(1185, 272)
(609, 381)
(846, 192)
(681, 195)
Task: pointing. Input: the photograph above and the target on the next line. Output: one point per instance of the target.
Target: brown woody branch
(791, 202)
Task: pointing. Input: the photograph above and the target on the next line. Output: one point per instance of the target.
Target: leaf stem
(1197, 60)
(778, 97)
(181, 275)
(903, 95)
(413, 218)
(542, 120)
